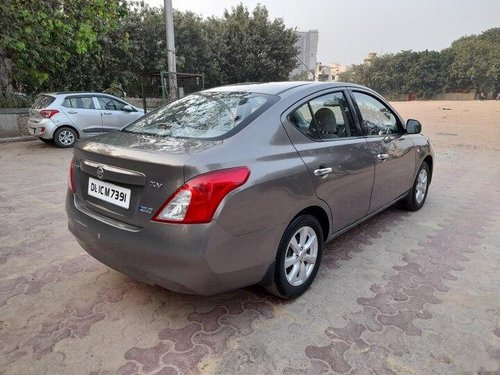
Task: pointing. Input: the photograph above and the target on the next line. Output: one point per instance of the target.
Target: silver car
(243, 184)
(65, 117)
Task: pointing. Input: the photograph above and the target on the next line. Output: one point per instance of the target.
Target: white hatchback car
(65, 117)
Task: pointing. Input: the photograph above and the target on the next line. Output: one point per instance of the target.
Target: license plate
(110, 193)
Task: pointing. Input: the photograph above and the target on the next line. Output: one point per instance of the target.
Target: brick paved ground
(412, 293)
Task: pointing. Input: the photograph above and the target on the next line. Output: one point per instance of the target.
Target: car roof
(280, 88)
(76, 93)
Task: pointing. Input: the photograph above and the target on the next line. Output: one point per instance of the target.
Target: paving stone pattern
(404, 293)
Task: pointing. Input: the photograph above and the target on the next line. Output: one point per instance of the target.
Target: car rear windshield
(43, 101)
(203, 115)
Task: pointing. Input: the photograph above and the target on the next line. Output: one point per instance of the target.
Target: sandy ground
(404, 293)
(469, 124)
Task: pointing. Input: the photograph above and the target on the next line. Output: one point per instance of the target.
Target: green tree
(471, 63)
(239, 47)
(257, 49)
(39, 37)
(97, 68)
(59, 45)
(476, 62)
(302, 76)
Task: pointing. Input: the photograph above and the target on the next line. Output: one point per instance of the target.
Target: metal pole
(172, 76)
(162, 81)
(144, 104)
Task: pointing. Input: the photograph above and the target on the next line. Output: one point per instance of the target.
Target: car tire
(50, 141)
(301, 248)
(65, 137)
(418, 194)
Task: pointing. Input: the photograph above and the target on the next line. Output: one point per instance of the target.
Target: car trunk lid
(144, 170)
(42, 101)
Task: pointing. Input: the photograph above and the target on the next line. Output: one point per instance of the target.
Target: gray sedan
(243, 184)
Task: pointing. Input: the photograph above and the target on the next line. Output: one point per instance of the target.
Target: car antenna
(310, 71)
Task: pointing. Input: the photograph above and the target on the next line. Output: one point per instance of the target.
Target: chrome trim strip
(110, 168)
(103, 219)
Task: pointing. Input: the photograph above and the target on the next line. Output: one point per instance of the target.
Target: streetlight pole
(172, 76)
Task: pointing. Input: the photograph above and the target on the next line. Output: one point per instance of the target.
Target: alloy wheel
(66, 137)
(421, 188)
(301, 255)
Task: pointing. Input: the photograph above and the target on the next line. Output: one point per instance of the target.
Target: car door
(113, 115)
(337, 156)
(81, 110)
(392, 149)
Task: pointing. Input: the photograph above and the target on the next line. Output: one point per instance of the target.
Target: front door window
(392, 150)
(377, 118)
(110, 104)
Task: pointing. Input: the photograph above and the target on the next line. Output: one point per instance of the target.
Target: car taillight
(197, 200)
(71, 182)
(48, 113)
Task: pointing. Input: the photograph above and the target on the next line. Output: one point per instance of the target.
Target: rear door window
(43, 101)
(84, 102)
(325, 117)
(303, 120)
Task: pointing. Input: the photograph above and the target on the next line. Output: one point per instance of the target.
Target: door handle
(72, 113)
(323, 172)
(382, 157)
(107, 113)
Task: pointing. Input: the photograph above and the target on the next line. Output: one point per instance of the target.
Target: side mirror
(128, 108)
(413, 126)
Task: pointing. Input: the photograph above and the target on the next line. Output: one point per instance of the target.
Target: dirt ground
(404, 293)
(468, 124)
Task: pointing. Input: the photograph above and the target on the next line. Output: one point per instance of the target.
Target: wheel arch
(323, 218)
(430, 162)
(320, 214)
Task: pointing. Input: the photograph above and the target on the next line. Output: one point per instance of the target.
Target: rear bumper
(197, 259)
(43, 128)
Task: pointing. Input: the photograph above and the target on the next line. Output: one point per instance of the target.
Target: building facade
(368, 59)
(307, 44)
(329, 72)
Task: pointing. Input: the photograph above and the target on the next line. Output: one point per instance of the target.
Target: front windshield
(201, 115)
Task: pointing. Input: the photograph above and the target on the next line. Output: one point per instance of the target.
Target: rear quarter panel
(279, 186)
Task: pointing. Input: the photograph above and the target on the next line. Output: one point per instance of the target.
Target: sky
(349, 29)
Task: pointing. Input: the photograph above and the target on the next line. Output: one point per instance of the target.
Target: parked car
(64, 117)
(243, 184)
